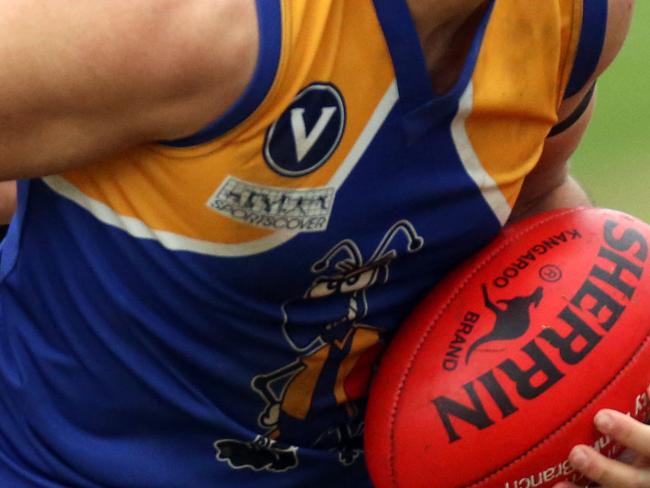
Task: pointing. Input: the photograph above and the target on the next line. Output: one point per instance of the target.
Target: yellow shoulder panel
(168, 188)
(518, 84)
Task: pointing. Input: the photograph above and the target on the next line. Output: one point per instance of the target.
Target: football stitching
(450, 300)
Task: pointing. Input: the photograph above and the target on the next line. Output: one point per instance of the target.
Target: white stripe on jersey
(175, 242)
(476, 171)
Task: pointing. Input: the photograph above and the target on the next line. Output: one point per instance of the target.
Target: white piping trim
(486, 184)
(175, 242)
(137, 228)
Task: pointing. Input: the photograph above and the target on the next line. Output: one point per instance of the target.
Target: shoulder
(205, 55)
(174, 64)
(619, 17)
(604, 27)
(203, 35)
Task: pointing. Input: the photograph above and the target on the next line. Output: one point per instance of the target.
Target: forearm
(567, 194)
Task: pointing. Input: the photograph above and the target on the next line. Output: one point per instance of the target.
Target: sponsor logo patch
(308, 133)
(304, 210)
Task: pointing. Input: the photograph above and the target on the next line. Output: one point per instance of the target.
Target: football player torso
(207, 312)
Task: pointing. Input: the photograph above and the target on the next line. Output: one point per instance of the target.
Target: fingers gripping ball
(500, 371)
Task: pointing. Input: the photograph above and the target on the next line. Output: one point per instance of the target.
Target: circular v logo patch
(307, 133)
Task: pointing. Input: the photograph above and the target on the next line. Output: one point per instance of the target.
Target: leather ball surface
(499, 372)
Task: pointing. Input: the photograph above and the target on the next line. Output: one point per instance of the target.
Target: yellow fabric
(341, 41)
(537, 40)
(363, 339)
(300, 392)
(167, 188)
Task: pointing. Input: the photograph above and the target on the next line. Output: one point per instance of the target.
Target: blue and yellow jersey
(207, 312)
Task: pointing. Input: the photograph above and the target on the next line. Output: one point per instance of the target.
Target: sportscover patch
(305, 210)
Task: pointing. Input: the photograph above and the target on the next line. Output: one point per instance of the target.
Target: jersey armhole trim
(269, 14)
(575, 115)
(590, 47)
(11, 242)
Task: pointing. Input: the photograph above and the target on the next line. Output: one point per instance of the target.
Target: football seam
(630, 362)
(453, 296)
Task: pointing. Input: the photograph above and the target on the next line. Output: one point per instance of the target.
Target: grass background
(613, 161)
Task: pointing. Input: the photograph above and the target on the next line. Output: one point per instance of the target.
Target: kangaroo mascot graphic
(512, 318)
(335, 354)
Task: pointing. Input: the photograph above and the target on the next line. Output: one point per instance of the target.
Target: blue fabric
(413, 79)
(270, 28)
(121, 378)
(123, 363)
(422, 107)
(590, 47)
(108, 366)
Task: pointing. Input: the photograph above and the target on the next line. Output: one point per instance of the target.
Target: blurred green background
(613, 162)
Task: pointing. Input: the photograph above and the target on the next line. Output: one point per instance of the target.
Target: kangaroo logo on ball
(513, 318)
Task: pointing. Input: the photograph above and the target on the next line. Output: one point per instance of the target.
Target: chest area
(348, 137)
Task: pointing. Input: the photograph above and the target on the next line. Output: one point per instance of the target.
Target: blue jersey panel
(125, 362)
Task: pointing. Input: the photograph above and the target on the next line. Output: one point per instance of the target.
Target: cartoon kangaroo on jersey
(513, 320)
(336, 351)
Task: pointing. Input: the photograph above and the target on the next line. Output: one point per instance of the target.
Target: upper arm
(82, 82)
(619, 17)
(551, 172)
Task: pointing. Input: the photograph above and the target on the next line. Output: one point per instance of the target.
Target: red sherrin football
(500, 370)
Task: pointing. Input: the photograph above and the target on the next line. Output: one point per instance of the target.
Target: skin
(89, 81)
(146, 71)
(549, 186)
(443, 23)
(7, 201)
(609, 473)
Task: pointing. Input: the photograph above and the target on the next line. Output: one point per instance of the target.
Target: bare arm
(550, 186)
(83, 80)
(7, 201)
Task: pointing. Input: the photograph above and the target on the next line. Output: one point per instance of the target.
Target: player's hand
(610, 473)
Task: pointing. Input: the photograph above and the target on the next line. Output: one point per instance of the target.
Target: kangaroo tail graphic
(479, 342)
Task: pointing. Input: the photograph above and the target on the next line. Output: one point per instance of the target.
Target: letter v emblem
(305, 142)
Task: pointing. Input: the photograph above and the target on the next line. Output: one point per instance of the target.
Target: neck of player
(446, 29)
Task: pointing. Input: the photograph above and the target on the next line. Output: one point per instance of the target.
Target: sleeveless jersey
(207, 312)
